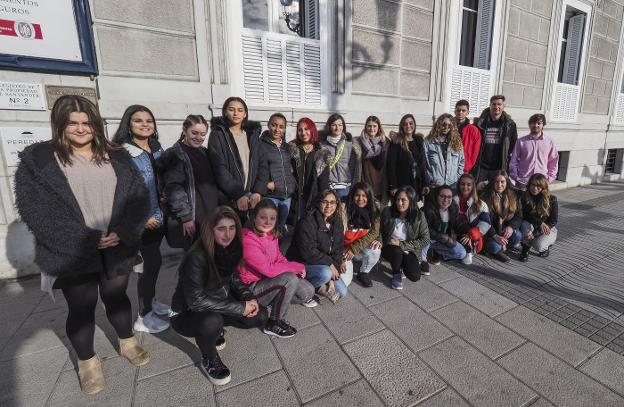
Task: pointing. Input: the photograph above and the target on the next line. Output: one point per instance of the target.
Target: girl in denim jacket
(444, 153)
(138, 134)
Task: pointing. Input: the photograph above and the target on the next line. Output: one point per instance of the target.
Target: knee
(290, 279)
(459, 251)
(209, 323)
(374, 255)
(326, 274)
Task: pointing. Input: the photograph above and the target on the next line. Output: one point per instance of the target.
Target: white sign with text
(15, 139)
(21, 96)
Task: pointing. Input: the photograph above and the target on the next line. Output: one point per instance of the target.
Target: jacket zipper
(283, 171)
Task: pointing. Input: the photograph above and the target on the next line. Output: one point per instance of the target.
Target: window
(571, 46)
(610, 165)
(294, 17)
(562, 171)
(476, 33)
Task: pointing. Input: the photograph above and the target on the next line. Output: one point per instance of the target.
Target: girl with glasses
(540, 210)
(444, 152)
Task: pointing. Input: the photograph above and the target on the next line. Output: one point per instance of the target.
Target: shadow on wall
(20, 252)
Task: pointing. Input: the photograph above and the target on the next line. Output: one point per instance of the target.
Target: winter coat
(276, 166)
(225, 159)
(311, 172)
(403, 168)
(509, 137)
(141, 159)
(471, 139)
(373, 169)
(355, 159)
(434, 221)
(417, 232)
(441, 171)
(314, 243)
(64, 245)
(202, 288)
(482, 219)
(536, 220)
(262, 258)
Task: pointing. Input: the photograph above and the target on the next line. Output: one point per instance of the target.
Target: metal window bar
(610, 164)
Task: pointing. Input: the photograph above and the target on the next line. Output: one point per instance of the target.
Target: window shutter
(572, 59)
(471, 84)
(293, 72)
(253, 68)
(619, 109)
(275, 73)
(310, 19)
(483, 42)
(312, 69)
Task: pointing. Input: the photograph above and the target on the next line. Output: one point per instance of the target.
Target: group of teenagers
(98, 207)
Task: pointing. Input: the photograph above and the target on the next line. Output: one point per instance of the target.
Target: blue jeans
(320, 274)
(492, 246)
(283, 207)
(456, 252)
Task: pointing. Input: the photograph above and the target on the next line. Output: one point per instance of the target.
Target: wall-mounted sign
(21, 96)
(46, 35)
(15, 139)
(54, 92)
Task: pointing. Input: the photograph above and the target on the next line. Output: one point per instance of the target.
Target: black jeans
(206, 326)
(152, 260)
(399, 259)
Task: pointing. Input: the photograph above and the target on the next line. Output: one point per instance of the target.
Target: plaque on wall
(15, 139)
(21, 96)
(53, 92)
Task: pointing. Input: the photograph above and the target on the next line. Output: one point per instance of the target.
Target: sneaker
(424, 268)
(280, 328)
(332, 295)
(216, 371)
(468, 259)
(397, 283)
(159, 308)
(311, 303)
(403, 277)
(220, 343)
(150, 323)
(365, 279)
(435, 258)
(545, 253)
(500, 256)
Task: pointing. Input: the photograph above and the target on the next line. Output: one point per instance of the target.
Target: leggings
(152, 260)
(206, 326)
(82, 298)
(401, 261)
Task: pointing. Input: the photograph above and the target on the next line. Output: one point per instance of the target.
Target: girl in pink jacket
(271, 277)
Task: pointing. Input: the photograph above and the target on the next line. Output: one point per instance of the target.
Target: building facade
(563, 58)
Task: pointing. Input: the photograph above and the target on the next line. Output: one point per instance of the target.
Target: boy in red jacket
(471, 136)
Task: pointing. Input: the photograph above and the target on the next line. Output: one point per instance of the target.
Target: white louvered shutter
(274, 70)
(310, 16)
(619, 109)
(471, 84)
(565, 105)
(312, 66)
(294, 73)
(253, 68)
(483, 41)
(572, 59)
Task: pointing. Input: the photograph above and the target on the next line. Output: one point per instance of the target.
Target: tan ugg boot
(131, 350)
(91, 375)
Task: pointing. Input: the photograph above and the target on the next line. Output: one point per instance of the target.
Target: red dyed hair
(310, 125)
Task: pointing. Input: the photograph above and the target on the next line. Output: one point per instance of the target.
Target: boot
(90, 375)
(524, 254)
(131, 350)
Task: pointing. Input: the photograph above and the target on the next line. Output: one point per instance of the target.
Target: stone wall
(391, 47)
(526, 52)
(603, 53)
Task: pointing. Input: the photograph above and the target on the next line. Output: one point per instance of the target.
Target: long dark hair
(412, 211)
(206, 235)
(509, 200)
(123, 133)
(227, 103)
(190, 121)
(59, 119)
(371, 208)
(332, 119)
(402, 137)
(263, 204)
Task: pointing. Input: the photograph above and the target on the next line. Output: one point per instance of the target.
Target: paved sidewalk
(479, 335)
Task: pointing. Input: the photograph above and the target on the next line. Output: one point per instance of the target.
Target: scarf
(334, 140)
(372, 146)
(227, 258)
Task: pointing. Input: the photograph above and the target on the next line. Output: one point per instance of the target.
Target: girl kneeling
(540, 210)
(404, 232)
(442, 216)
(210, 294)
(474, 219)
(274, 280)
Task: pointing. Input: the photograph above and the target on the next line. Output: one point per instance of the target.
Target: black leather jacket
(434, 219)
(202, 288)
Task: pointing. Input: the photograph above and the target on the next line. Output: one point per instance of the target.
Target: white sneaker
(468, 259)
(311, 303)
(159, 308)
(150, 323)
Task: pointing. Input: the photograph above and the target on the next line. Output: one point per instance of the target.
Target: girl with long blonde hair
(444, 152)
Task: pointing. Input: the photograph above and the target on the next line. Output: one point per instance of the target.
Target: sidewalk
(548, 332)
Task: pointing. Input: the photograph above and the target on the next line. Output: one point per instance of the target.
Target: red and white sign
(39, 28)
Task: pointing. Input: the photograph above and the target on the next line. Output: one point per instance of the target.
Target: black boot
(524, 254)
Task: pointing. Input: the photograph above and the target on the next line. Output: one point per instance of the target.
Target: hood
(250, 126)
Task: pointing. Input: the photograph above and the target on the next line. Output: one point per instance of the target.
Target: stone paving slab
(485, 300)
(353, 395)
(556, 380)
(271, 390)
(428, 295)
(448, 398)
(394, 372)
(607, 367)
(481, 381)
(191, 389)
(484, 333)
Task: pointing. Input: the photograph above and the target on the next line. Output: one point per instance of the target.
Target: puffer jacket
(311, 173)
(443, 171)
(314, 243)
(226, 161)
(434, 221)
(202, 288)
(276, 166)
(64, 245)
(417, 232)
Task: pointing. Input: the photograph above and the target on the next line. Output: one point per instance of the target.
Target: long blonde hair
(476, 201)
(455, 142)
(540, 203)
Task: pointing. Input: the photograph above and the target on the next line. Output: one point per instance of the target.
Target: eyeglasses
(536, 186)
(329, 203)
(447, 197)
